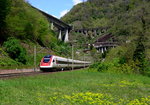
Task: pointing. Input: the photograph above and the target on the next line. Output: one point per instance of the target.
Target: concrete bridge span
(93, 31)
(62, 27)
(105, 42)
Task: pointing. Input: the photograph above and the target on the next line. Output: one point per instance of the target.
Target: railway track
(22, 74)
(6, 74)
(13, 75)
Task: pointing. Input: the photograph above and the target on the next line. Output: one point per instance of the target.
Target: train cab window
(46, 60)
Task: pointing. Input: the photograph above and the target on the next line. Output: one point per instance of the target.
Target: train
(52, 62)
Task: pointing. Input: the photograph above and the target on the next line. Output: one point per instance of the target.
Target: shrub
(15, 50)
(95, 65)
(117, 65)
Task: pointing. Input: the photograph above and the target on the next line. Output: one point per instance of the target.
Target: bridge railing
(103, 44)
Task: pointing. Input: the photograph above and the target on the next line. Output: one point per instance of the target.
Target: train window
(65, 62)
(46, 60)
(62, 62)
(53, 60)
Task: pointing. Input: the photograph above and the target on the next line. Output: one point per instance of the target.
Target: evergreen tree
(139, 55)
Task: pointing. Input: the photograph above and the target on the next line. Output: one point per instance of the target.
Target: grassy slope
(76, 87)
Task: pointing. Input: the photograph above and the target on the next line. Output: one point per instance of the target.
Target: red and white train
(50, 62)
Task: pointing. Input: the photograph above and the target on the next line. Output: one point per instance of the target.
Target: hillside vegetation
(21, 28)
(120, 15)
(128, 21)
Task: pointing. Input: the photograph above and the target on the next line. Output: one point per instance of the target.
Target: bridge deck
(105, 44)
(58, 23)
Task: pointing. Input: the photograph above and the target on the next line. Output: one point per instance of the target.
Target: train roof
(48, 56)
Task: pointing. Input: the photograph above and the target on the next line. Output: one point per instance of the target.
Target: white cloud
(75, 2)
(63, 12)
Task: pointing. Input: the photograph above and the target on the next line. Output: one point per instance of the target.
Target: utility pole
(84, 60)
(34, 58)
(72, 56)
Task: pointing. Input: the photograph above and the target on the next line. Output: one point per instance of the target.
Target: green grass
(77, 88)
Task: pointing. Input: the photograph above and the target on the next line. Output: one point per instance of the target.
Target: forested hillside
(128, 20)
(120, 15)
(21, 28)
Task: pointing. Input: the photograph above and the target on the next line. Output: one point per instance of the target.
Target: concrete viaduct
(102, 44)
(105, 42)
(62, 27)
(93, 31)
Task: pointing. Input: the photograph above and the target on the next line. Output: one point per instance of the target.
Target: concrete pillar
(95, 32)
(102, 50)
(82, 32)
(52, 26)
(100, 32)
(86, 33)
(105, 49)
(59, 37)
(66, 36)
(99, 49)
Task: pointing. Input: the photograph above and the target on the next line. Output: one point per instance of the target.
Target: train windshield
(47, 58)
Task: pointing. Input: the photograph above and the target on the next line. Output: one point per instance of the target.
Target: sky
(57, 8)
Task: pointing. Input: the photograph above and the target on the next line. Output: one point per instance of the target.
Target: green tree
(139, 55)
(4, 10)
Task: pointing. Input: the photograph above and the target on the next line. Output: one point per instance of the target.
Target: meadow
(76, 88)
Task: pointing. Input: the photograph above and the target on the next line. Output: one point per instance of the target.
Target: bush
(14, 49)
(116, 65)
(7, 62)
(95, 65)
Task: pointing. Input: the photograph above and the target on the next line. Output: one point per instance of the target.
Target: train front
(46, 62)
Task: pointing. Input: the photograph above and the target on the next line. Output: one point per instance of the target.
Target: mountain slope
(122, 16)
(128, 21)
